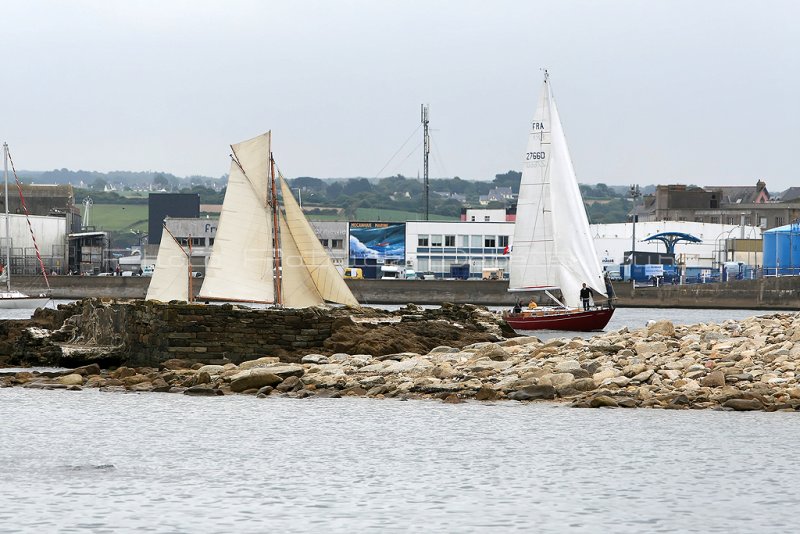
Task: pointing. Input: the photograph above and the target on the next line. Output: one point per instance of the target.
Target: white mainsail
(552, 246)
(171, 276)
(242, 264)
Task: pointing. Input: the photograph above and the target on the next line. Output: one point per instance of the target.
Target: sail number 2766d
(534, 155)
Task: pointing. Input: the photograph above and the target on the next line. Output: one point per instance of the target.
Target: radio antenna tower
(426, 153)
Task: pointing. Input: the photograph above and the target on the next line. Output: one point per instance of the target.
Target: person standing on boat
(586, 293)
(609, 290)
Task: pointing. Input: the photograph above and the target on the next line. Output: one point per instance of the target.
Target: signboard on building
(379, 240)
(653, 270)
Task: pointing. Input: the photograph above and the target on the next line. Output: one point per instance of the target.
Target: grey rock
(202, 391)
(314, 358)
(603, 401)
(743, 405)
(534, 393)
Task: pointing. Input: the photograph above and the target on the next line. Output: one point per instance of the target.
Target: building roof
(742, 194)
(793, 193)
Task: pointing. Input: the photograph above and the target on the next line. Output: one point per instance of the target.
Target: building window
(778, 221)
(487, 218)
(748, 221)
(682, 219)
(731, 220)
(762, 222)
(490, 241)
(337, 243)
(464, 241)
(502, 241)
(423, 241)
(449, 240)
(324, 242)
(436, 240)
(472, 218)
(714, 220)
(698, 219)
(211, 241)
(198, 241)
(476, 240)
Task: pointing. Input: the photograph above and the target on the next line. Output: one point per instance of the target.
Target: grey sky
(702, 92)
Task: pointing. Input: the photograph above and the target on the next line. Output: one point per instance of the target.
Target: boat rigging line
(377, 175)
(27, 218)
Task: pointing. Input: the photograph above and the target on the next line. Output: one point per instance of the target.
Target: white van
(392, 272)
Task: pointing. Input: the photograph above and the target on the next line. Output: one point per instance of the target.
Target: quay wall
(768, 293)
(147, 333)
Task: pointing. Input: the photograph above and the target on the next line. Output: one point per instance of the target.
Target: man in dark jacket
(586, 293)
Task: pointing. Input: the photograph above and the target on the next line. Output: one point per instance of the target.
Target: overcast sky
(702, 92)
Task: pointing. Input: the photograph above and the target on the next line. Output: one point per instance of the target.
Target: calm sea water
(112, 462)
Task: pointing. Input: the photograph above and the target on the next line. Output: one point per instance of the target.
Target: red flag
(506, 250)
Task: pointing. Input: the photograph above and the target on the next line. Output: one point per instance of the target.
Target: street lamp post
(634, 194)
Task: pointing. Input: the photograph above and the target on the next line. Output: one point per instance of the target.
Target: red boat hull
(576, 321)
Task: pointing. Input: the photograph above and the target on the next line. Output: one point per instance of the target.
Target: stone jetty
(736, 365)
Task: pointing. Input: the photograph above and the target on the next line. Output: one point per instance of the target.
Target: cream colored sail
(241, 264)
(297, 286)
(171, 276)
(312, 256)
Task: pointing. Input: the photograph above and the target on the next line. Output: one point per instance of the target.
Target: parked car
(353, 272)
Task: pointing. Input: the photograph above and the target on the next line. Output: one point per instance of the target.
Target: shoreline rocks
(745, 365)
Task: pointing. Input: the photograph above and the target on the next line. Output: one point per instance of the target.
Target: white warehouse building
(614, 241)
(51, 236)
(438, 246)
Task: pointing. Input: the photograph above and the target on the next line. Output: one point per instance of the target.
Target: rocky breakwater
(137, 334)
(746, 365)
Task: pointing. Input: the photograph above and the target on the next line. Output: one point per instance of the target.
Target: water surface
(110, 462)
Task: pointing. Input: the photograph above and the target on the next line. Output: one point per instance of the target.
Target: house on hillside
(498, 194)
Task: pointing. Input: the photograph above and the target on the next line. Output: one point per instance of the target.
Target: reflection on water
(106, 462)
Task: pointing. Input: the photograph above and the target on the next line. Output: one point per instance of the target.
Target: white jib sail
(312, 256)
(171, 276)
(575, 255)
(552, 245)
(241, 264)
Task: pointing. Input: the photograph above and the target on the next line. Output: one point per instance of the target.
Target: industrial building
(451, 249)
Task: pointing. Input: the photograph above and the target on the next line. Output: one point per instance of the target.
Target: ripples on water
(105, 462)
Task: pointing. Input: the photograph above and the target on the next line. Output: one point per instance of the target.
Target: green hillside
(119, 217)
(376, 214)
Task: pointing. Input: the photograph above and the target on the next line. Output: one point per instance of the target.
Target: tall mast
(426, 152)
(276, 243)
(7, 268)
(191, 288)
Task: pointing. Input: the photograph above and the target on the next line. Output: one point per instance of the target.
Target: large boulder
(73, 379)
(254, 379)
(534, 393)
(663, 327)
(743, 405)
